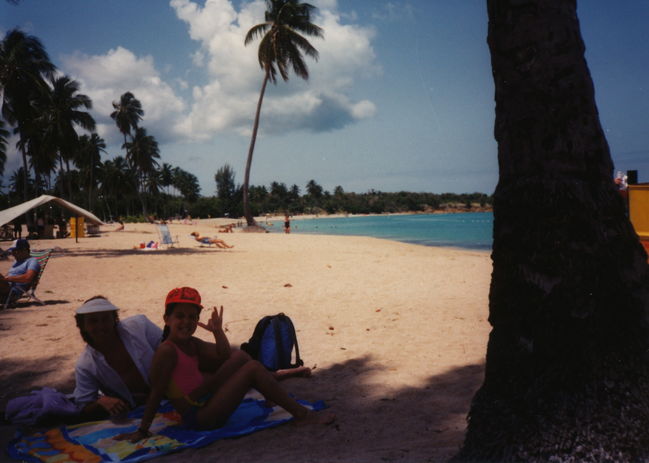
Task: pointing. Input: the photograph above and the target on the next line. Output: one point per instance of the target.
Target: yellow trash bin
(76, 227)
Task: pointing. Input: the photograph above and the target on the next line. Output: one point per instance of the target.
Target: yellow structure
(77, 227)
(639, 211)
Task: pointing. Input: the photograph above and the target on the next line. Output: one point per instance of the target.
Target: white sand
(397, 332)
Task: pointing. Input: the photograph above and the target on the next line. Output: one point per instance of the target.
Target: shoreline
(261, 219)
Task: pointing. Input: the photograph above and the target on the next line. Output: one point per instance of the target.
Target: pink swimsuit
(186, 376)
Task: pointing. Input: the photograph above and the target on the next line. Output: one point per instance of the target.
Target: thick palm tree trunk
(246, 180)
(567, 368)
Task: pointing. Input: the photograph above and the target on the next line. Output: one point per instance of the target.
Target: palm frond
(294, 56)
(304, 45)
(256, 31)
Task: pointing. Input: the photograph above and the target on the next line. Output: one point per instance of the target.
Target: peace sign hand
(215, 323)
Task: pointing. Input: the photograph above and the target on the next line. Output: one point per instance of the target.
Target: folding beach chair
(17, 294)
(165, 235)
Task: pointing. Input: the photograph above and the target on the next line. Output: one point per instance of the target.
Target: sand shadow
(410, 424)
(374, 424)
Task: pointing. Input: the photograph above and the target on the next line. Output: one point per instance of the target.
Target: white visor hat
(96, 305)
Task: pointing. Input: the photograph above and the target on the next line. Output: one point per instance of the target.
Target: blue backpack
(272, 343)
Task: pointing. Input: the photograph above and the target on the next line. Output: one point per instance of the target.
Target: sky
(401, 98)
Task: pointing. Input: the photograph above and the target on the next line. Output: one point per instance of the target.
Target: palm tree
(61, 111)
(166, 176)
(567, 377)
(24, 66)
(118, 184)
(4, 134)
(141, 155)
(88, 159)
(128, 113)
(281, 47)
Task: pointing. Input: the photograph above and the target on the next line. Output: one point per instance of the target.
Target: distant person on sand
(206, 401)
(205, 240)
(116, 360)
(120, 227)
(226, 228)
(287, 223)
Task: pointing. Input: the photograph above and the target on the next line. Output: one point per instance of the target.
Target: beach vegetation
(127, 114)
(567, 373)
(281, 47)
(60, 108)
(25, 68)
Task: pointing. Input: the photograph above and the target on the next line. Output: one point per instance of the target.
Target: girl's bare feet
(313, 417)
(297, 372)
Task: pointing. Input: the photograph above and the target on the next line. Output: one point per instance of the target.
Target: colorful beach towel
(94, 442)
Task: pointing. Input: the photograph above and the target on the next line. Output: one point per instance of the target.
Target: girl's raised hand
(215, 323)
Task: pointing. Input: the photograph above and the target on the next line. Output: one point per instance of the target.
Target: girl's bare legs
(297, 372)
(227, 397)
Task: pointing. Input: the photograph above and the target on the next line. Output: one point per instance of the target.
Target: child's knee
(240, 356)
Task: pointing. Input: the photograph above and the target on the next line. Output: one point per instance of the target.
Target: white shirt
(93, 373)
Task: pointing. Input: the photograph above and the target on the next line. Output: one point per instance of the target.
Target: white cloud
(104, 78)
(229, 100)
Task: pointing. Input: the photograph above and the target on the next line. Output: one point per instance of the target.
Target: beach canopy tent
(8, 215)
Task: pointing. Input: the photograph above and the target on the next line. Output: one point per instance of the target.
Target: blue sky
(401, 98)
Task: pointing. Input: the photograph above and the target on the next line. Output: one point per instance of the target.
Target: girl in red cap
(207, 400)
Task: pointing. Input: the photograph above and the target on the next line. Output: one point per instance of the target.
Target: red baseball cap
(184, 295)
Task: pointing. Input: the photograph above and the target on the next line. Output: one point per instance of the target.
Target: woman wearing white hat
(116, 360)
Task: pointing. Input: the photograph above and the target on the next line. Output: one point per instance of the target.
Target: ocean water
(471, 230)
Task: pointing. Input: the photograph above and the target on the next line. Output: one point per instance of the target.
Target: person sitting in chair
(22, 272)
(205, 240)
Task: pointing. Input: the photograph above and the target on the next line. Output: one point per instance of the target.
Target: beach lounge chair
(165, 235)
(17, 294)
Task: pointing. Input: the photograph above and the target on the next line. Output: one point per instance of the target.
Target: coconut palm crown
(282, 45)
(128, 113)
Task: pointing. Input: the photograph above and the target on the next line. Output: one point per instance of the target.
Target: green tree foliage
(24, 68)
(226, 190)
(187, 184)
(4, 135)
(128, 114)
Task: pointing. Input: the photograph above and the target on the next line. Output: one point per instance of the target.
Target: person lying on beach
(206, 401)
(22, 272)
(226, 228)
(112, 373)
(205, 240)
(116, 360)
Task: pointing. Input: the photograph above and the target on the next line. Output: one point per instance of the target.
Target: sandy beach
(396, 333)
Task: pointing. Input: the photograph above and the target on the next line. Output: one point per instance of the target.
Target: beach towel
(93, 442)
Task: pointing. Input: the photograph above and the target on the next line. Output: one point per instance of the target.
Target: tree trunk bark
(246, 180)
(567, 369)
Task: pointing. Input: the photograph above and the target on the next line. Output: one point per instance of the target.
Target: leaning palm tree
(281, 47)
(128, 113)
(24, 67)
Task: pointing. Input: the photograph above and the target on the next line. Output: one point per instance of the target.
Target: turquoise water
(465, 230)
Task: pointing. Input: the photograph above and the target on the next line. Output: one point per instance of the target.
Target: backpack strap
(298, 360)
